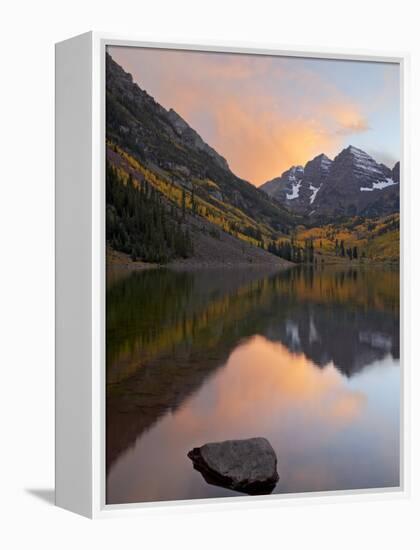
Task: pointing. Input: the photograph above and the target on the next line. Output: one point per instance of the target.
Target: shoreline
(120, 261)
(143, 266)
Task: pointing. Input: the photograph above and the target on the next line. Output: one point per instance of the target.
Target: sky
(267, 113)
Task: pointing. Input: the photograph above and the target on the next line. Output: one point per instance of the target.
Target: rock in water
(245, 465)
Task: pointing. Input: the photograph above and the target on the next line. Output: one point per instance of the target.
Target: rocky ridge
(351, 184)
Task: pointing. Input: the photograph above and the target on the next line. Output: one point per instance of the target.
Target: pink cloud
(261, 130)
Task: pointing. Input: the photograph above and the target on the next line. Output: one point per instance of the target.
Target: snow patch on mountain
(295, 190)
(338, 187)
(314, 192)
(380, 185)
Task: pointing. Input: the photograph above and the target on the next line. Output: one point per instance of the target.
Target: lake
(307, 357)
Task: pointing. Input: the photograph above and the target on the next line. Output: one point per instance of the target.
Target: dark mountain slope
(396, 172)
(165, 143)
(357, 184)
(352, 184)
(149, 225)
(298, 187)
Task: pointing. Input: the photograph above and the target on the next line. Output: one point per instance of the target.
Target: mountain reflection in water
(307, 358)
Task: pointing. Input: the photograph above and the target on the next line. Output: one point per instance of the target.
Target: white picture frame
(80, 275)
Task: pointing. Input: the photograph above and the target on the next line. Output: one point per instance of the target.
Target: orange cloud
(261, 145)
(260, 129)
(348, 119)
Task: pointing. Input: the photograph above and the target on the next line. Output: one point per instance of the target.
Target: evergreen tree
(139, 224)
(183, 203)
(193, 205)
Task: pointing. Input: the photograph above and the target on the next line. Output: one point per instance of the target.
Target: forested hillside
(138, 223)
(171, 197)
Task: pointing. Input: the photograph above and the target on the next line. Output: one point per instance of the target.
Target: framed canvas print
(229, 268)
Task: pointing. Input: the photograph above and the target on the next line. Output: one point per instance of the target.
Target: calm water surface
(307, 358)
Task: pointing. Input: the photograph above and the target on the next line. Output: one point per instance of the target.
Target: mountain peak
(294, 171)
(360, 163)
(322, 156)
(320, 160)
(338, 187)
(354, 152)
(141, 130)
(353, 149)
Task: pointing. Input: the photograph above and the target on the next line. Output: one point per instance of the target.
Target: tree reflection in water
(172, 337)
